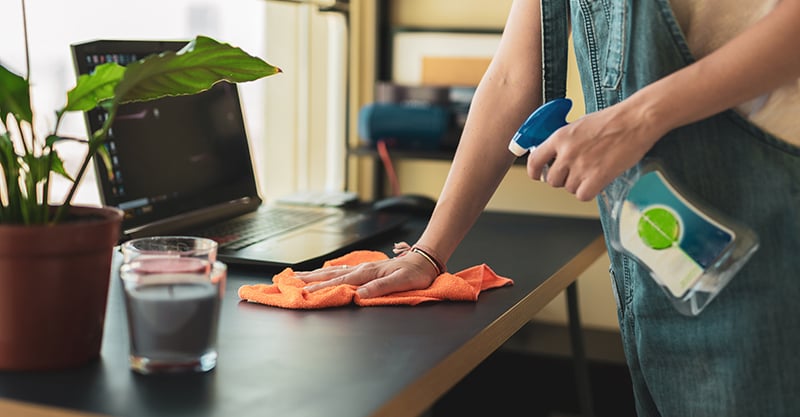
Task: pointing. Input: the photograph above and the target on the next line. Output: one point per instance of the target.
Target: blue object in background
(404, 125)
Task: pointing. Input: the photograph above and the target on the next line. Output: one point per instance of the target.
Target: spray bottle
(690, 249)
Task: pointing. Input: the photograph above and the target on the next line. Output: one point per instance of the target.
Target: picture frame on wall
(441, 57)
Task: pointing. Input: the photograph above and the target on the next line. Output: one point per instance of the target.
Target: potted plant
(55, 259)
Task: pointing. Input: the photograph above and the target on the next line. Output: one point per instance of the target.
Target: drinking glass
(173, 289)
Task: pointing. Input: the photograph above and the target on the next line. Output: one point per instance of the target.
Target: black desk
(343, 362)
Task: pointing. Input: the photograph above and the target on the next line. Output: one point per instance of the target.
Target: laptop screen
(173, 155)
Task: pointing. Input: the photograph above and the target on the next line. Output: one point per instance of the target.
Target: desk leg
(378, 177)
(578, 352)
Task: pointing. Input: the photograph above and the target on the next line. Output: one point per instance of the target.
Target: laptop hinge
(188, 220)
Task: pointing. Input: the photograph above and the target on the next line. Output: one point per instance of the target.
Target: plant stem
(45, 212)
(67, 201)
(25, 34)
(95, 141)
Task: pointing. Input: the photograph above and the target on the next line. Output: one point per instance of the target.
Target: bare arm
(507, 93)
(595, 149)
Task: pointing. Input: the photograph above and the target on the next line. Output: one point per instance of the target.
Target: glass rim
(170, 244)
(131, 272)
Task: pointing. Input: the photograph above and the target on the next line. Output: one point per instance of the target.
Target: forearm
(508, 92)
(756, 62)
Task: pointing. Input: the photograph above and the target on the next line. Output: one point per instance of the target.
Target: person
(712, 89)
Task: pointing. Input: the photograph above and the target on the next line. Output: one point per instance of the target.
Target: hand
(586, 155)
(408, 271)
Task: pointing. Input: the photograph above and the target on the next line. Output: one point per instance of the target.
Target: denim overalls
(741, 355)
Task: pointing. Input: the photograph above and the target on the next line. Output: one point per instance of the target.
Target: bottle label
(672, 237)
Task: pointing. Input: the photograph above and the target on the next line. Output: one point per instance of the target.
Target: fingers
(330, 283)
(586, 155)
(401, 248)
(589, 189)
(585, 185)
(374, 279)
(392, 283)
(556, 176)
(341, 274)
(542, 166)
(323, 274)
(539, 161)
(566, 171)
(333, 276)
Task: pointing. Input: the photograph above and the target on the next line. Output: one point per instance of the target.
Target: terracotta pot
(53, 289)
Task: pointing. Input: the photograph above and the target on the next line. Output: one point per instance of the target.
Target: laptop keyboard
(242, 232)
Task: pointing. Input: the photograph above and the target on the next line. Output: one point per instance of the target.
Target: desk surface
(342, 362)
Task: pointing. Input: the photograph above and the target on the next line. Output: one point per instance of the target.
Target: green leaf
(10, 164)
(15, 96)
(57, 166)
(8, 160)
(195, 68)
(92, 89)
(7, 150)
(38, 169)
(51, 140)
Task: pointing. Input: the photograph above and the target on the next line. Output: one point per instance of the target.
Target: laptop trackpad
(295, 248)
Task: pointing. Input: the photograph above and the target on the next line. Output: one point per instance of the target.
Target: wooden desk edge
(420, 396)
(23, 409)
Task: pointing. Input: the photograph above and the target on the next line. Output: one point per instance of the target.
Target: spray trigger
(545, 120)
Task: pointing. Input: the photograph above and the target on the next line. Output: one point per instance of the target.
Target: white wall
(305, 110)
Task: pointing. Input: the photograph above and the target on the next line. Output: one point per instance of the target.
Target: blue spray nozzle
(545, 120)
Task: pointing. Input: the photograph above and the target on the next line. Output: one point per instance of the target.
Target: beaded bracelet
(440, 269)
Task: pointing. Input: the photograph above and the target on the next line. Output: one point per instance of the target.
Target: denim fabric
(555, 34)
(739, 356)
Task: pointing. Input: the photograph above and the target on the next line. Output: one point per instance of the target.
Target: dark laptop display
(173, 155)
(182, 164)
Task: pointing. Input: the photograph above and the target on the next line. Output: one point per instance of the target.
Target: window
(54, 25)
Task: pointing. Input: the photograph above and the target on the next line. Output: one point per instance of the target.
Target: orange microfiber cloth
(286, 291)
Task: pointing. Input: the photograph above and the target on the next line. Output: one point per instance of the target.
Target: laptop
(182, 165)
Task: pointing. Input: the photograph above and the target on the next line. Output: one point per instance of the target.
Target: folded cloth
(286, 291)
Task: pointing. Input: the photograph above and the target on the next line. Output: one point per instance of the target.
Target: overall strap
(555, 35)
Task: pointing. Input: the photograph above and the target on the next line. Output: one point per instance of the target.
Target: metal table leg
(579, 353)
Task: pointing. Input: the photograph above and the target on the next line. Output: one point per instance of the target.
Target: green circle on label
(658, 228)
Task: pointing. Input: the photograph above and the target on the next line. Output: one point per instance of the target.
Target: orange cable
(383, 151)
